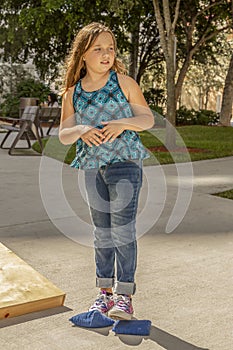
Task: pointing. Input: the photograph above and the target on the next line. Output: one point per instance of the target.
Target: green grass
(211, 142)
(226, 194)
(54, 149)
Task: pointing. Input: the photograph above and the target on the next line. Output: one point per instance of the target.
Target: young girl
(102, 110)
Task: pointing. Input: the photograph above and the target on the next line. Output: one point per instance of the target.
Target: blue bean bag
(91, 319)
(133, 327)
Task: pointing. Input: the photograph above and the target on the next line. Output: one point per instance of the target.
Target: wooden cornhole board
(22, 289)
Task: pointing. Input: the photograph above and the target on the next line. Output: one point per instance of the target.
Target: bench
(25, 127)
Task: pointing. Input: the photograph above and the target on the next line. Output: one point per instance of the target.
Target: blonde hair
(75, 66)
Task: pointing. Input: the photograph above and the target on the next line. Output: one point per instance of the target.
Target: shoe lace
(123, 301)
(101, 299)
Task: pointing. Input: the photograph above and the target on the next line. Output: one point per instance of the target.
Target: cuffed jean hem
(125, 288)
(104, 282)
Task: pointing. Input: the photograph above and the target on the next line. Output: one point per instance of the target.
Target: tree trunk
(133, 65)
(207, 97)
(170, 140)
(167, 39)
(182, 75)
(141, 70)
(226, 110)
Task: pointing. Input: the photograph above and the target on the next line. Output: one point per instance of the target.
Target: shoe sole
(120, 315)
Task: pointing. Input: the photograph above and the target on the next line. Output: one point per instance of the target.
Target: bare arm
(143, 118)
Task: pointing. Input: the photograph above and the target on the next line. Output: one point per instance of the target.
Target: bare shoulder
(126, 80)
(70, 91)
(127, 84)
(131, 90)
(67, 104)
(68, 95)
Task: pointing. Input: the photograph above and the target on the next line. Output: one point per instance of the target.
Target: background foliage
(42, 31)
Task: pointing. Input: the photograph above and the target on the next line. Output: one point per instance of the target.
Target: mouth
(105, 62)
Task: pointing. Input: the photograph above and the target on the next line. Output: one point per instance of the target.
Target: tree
(149, 53)
(227, 101)
(207, 75)
(167, 27)
(44, 29)
(201, 22)
(144, 38)
(195, 24)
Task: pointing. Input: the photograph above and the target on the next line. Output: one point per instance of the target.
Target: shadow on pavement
(33, 316)
(162, 338)
(102, 331)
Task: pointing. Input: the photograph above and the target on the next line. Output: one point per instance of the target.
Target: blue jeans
(113, 192)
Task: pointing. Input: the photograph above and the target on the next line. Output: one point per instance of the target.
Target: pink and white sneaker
(103, 303)
(122, 309)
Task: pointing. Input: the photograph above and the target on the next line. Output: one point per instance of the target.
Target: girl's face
(99, 58)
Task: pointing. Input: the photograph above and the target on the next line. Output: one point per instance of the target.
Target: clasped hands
(109, 132)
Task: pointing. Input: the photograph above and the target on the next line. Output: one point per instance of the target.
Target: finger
(107, 138)
(99, 133)
(88, 143)
(107, 133)
(99, 137)
(108, 130)
(113, 138)
(96, 140)
(96, 143)
(105, 128)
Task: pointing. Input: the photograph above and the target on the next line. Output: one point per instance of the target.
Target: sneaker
(122, 309)
(103, 303)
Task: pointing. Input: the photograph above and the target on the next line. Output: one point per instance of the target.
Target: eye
(97, 49)
(111, 49)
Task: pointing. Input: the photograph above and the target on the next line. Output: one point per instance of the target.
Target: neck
(94, 81)
(93, 77)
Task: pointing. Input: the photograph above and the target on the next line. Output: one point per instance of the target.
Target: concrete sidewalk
(184, 278)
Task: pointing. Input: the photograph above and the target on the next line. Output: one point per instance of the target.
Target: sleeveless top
(105, 104)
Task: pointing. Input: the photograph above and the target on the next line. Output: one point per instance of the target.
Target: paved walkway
(184, 278)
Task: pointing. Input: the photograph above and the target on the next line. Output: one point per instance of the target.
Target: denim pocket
(129, 170)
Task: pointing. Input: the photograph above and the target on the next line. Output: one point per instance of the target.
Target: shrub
(207, 117)
(27, 87)
(186, 116)
(32, 88)
(10, 106)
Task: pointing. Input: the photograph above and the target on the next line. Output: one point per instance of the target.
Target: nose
(106, 52)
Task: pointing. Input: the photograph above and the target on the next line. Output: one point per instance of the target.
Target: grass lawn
(201, 142)
(193, 143)
(226, 194)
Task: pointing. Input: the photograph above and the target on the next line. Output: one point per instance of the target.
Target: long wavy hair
(74, 65)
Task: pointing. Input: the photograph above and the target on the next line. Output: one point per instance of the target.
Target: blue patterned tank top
(105, 104)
